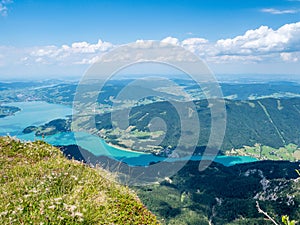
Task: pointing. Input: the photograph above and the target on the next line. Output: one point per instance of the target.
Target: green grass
(39, 186)
(289, 152)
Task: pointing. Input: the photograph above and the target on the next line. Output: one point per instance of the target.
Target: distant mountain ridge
(62, 92)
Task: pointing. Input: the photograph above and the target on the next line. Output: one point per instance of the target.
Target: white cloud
(170, 40)
(289, 57)
(3, 10)
(279, 12)
(88, 60)
(3, 7)
(263, 40)
(144, 43)
(76, 53)
(199, 46)
(250, 59)
(263, 45)
(84, 47)
(254, 46)
(194, 41)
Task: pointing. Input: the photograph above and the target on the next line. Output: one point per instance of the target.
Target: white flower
(34, 191)
(3, 213)
(60, 217)
(70, 208)
(79, 214)
(51, 207)
(57, 199)
(75, 178)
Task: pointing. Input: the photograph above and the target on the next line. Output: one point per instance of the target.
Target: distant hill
(62, 92)
(268, 122)
(271, 122)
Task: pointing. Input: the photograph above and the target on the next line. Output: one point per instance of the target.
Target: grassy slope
(39, 186)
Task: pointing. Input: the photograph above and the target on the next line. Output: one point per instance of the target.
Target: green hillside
(220, 194)
(38, 185)
(226, 195)
(270, 122)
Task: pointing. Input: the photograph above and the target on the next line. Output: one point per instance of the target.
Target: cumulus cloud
(170, 40)
(200, 46)
(254, 46)
(263, 41)
(257, 46)
(84, 47)
(279, 12)
(76, 53)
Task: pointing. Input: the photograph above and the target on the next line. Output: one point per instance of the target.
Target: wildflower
(75, 178)
(57, 199)
(70, 208)
(34, 191)
(60, 217)
(3, 213)
(78, 214)
(51, 207)
(19, 208)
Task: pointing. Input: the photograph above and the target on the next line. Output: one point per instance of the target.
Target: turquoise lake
(38, 113)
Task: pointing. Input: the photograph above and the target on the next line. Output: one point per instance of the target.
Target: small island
(8, 111)
(51, 128)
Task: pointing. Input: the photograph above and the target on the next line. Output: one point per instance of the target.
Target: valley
(250, 130)
(264, 128)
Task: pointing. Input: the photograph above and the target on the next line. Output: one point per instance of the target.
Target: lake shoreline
(125, 149)
(39, 113)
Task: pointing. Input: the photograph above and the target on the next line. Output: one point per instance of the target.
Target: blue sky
(33, 31)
